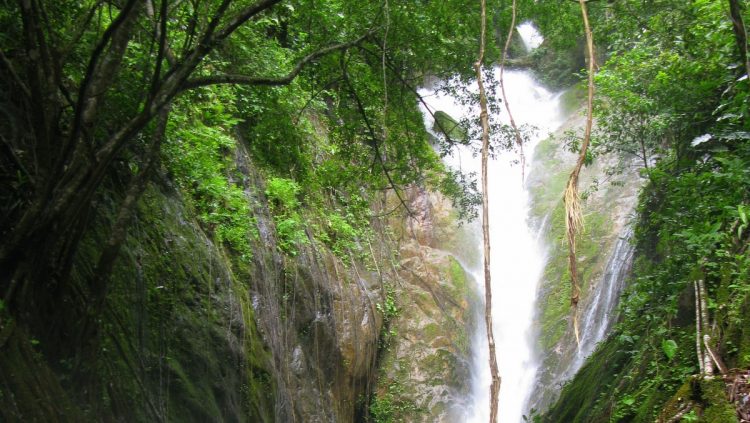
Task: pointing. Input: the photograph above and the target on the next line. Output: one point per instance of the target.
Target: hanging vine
(516, 132)
(573, 214)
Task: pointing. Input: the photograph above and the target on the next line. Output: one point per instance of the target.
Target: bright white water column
(517, 256)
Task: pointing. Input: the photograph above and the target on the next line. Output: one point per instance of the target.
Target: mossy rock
(718, 408)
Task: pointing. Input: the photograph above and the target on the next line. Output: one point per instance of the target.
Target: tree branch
(270, 81)
(516, 132)
(111, 249)
(740, 32)
(243, 16)
(14, 74)
(421, 99)
(375, 143)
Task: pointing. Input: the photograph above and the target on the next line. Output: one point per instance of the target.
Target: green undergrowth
(391, 405)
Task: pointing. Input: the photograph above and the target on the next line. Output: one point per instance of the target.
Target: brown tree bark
(516, 132)
(484, 118)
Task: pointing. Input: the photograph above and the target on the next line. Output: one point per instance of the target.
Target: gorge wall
(194, 332)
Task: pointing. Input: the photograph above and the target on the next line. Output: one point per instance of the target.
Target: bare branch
(421, 99)
(375, 144)
(81, 25)
(136, 188)
(100, 68)
(244, 15)
(160, 33)
(740, 32)
(516, 132)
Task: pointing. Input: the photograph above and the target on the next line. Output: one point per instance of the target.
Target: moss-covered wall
(649, 369)
(193, 331)
(177, 340)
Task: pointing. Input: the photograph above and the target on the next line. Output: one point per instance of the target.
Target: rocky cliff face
(610, 188)
(318, 317)
(194, 332)
(425, 370)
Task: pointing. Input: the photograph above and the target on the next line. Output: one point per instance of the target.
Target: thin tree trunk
(573, 214)
(136, 188)
(88, 336)
(708, 365)
(698, 345)
(715, 357)
(495, 385)
(740, 32)
(516, 132)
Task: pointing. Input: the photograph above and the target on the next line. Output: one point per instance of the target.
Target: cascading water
(517, 255)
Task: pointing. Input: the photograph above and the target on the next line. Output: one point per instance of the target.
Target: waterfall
(518, 256)
(530, 36)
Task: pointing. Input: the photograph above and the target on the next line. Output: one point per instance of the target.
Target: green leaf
(669, 347)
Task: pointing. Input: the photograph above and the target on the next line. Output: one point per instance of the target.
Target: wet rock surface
(425, 369)
(609, 188)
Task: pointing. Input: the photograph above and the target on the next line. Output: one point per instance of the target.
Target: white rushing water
(517, 256)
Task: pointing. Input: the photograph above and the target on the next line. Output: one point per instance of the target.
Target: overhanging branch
(270, 81)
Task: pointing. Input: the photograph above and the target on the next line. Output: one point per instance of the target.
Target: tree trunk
(495, 385)
(698, 344)
(708, 365)
(740, 32)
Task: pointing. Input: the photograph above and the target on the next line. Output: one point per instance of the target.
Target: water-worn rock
(424, 375)
(193, 332)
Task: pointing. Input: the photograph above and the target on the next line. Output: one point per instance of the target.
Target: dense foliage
(674, 97)
(108, 104)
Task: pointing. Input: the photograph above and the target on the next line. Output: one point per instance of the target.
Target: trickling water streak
(517, 256)
(600, 311)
